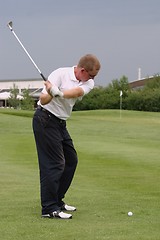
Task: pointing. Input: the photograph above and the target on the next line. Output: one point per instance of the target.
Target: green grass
(118, 171)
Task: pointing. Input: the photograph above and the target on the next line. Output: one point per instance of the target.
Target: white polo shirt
(64, 79)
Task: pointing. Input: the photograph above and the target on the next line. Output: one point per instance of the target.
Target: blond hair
(89, 62)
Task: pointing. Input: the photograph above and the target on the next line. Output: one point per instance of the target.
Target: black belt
(48, 112)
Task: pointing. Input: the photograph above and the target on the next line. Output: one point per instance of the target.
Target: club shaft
(28, 54)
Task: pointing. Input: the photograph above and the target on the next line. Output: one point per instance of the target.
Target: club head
(10, 24)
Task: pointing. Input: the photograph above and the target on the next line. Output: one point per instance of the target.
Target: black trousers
(57, 158)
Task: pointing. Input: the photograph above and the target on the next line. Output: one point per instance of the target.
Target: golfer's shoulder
(90, 83)
(63, 69)
(59, 73)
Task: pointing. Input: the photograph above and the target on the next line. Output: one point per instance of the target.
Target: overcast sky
(123, 34)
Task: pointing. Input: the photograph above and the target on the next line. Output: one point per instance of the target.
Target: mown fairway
(118, 171)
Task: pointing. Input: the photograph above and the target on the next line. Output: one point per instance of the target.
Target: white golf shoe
(66, 207)
(57, 214)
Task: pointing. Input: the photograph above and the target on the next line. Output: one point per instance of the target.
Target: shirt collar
(72, 75)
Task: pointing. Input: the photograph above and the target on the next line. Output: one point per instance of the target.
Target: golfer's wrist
(55, 92)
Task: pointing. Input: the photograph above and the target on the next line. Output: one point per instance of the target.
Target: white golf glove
(55, 92)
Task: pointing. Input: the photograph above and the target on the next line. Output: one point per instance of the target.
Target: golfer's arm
(45, 98)
(73, 93)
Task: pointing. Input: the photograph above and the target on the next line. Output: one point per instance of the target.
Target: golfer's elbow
(80, 92)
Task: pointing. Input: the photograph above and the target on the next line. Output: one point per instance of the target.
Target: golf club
(10, 24)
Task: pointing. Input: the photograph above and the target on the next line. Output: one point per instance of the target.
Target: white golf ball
(130, 214)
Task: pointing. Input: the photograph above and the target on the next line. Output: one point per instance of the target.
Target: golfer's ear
(82, 69)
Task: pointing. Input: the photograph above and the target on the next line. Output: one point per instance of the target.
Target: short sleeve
(87, 86)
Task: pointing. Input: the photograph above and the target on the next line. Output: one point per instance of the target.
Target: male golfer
(56, 153)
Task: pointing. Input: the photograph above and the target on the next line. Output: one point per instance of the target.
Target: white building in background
(21, 84)
(33, 85)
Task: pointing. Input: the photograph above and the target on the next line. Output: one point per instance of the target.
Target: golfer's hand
(48, 86)
(53, 90)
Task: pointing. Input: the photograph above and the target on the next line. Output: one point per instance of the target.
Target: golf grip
(43, 77)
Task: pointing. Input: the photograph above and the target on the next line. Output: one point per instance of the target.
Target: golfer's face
(86, 75)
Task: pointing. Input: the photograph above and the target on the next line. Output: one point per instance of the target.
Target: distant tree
(153, 83)
(13, 100)
(120, 85)
(27, 102)
(90, 101)
(105, 98)
(113, 93)
(134, 101)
